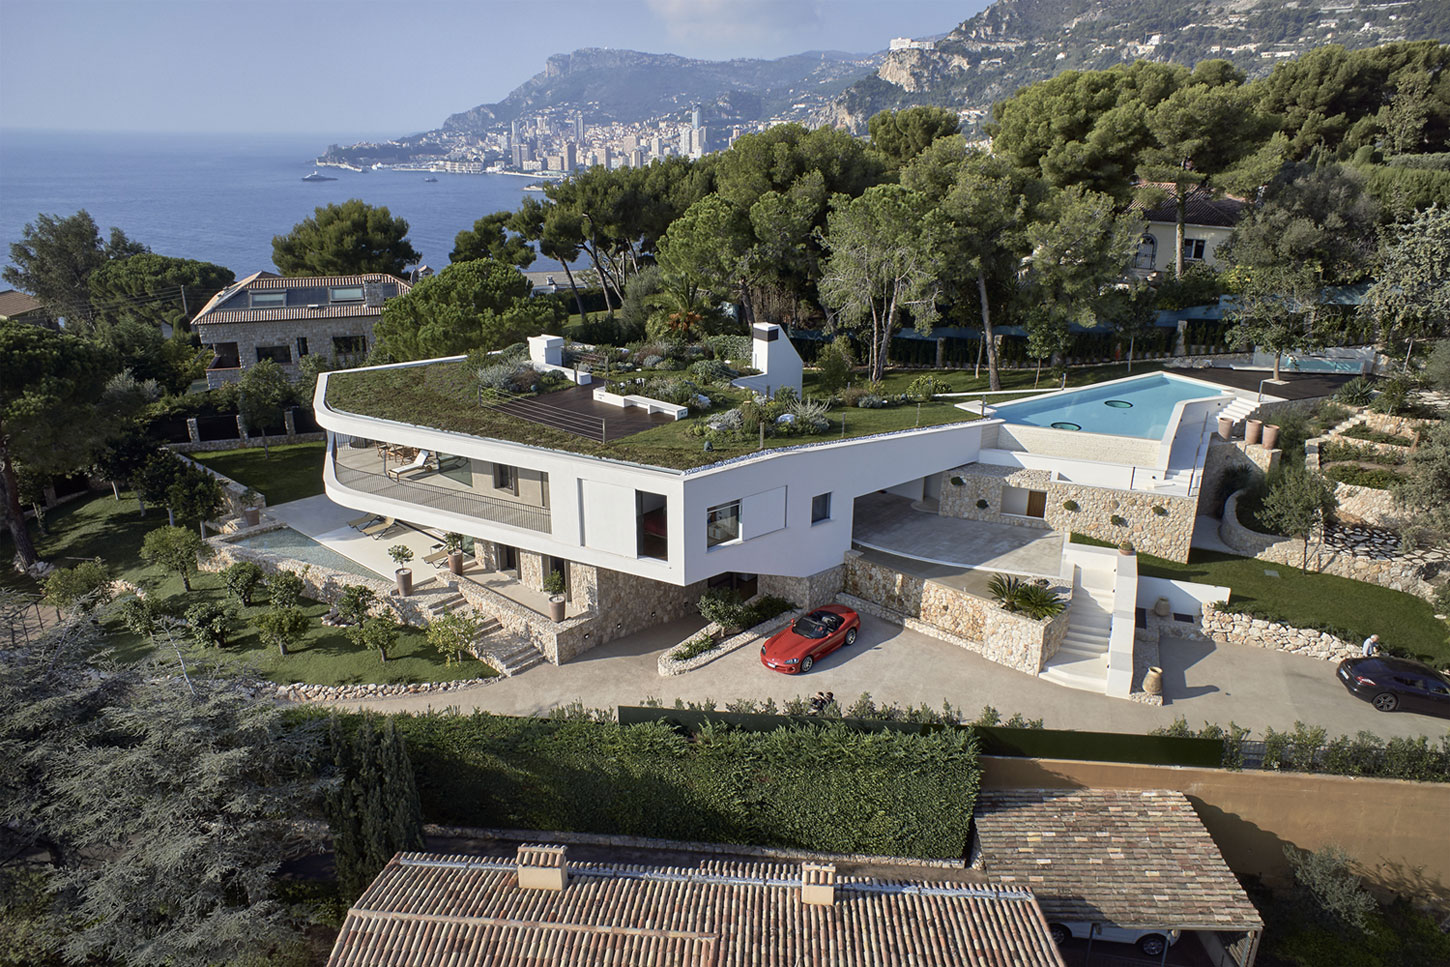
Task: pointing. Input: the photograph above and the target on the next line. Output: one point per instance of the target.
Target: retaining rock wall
(1239, 629)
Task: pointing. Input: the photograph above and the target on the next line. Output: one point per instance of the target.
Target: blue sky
(374, 68)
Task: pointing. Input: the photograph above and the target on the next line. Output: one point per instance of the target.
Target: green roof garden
(446, 396)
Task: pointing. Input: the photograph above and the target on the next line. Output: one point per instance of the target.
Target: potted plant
(1225, 428)
(1252, 430)
(401, 555)
(453, 544)
(554, 588)
(251, 507)
(1271, 436)
(1126, 547)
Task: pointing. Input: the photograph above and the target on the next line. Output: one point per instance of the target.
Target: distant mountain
(1017, 42)
(627, 86)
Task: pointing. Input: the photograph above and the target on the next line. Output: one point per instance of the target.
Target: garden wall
(1241, 629)
(975, 623)
(1166, 534)
(1394, 828)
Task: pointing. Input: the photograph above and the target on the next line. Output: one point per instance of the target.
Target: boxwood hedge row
(824, 787)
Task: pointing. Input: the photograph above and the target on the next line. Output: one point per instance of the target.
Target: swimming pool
(299, 546)
(1315, 364)
(1137, 407)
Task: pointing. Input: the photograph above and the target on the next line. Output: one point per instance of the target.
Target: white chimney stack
(818, 884)
(542, 868)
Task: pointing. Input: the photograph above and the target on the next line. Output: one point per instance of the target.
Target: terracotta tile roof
(14, 303)
(1203, 208)
(430, 910)
(210, 314)
(1133, 858)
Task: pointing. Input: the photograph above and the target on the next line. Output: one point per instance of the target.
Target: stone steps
(510, 655)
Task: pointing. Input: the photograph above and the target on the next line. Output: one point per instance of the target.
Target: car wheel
(1385, 702)
(807, 663)
(1060, 934)
(851, 637)
(1152, 945)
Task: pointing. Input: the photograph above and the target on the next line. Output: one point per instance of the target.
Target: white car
(1152, 943)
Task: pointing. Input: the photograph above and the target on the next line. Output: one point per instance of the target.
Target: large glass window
(227, 356)
(652, 532)
(349, 345)
(269, 300)
(350, 293)
(505, 478)
(820, 508)
(1193, 249)
(277, 354)
(722, 524)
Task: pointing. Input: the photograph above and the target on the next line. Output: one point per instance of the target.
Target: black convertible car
(1396, 684)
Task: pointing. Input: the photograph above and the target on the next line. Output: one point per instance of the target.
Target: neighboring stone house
(266, 316)
(20, 307)
(1116, 860)
(1210, 221)
(539, 907)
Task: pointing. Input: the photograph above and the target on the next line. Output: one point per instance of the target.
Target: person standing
(1371, 646)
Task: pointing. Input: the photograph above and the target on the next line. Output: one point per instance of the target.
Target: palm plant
(1007, 590)
(1039, 602)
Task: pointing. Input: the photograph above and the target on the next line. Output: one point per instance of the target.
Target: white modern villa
(580, 481)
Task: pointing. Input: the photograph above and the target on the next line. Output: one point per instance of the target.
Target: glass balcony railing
(346, 462)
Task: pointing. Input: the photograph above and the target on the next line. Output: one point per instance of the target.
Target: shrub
(1442, 599)
(138, 615)
(1071, 506)
(724, 607)
(766, 607)
(696, 646)
(554, 583)
(809, 415)
(730, 348)
(871, 402)
(375, 634)
(1330, 886)
(355, 603)
(175, 549)
(1362, 476)
(81, 588)
(1357, 392)
(852, 396)
(452, 635)
(958, 482)
(1160, 510)
(834, 364)
(243, 579)
(210, 623)
(925, 388)
(1118, 520)
(1393, 398)
(712, 371)
(498, 378)
(284, 589)
(729, 421)
(1038, 602)
(1006, 589)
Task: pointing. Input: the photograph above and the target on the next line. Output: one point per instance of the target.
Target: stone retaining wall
(1157, 524)
(807, 591)
(1239, 629)
(246, 443)
(976, 623)
(1387, 573)
(668, 665)
(298, 692)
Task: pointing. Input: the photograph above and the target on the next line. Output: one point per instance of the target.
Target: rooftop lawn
(1405, 623)
(112, 530)
(442, 396)
(293, 471)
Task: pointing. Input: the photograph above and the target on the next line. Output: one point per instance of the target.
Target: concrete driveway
(1203, 682)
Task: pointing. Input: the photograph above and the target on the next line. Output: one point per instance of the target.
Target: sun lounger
(373, 530)
(392, 530)
(418, 463)
(437, 558)
(362, 521)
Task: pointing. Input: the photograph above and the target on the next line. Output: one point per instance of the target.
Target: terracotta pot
(455, 562)
(1153, 681)
(1225, 428)
(252, 516)
(404, 576)
(1252, 429)
(1271, 437)
(556, 607)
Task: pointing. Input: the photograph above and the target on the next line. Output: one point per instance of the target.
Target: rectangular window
(301, 346)
(505, 478)
(1193, 249)
(722, 524)
(269, 300)
(227, 356)
(277, 354)
(652, 525)
(820, 508)
(349, 345)
(347, 293)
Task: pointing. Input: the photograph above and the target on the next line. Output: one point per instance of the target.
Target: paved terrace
(945, 546)
(1295, 386)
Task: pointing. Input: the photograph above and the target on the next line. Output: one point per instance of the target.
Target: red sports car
(810, 637)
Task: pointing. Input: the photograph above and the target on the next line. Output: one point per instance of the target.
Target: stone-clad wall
(1238, 629)
(806, 592)
(1156, 524)
(1224, 461)
(283, 332)
(1009, 639)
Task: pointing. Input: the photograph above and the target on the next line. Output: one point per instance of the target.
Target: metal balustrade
(442, 498)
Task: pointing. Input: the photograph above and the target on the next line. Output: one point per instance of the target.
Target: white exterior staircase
(1082, 660)
(1239, 410)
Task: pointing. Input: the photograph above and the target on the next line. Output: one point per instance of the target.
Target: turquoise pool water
(1138, 408)
(299, 546)
(1295, 364)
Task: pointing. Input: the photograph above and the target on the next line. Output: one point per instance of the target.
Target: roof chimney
(818, 884)
(542, 868)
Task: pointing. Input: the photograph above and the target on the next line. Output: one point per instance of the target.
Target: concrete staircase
(443, 604)
(1082, 660)
(509, 654)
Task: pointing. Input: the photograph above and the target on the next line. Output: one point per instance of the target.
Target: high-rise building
(606, 156)
(657, 146)
(514, 131)
(571, 156)
(636, 158)
(579, 128)
(702, 140)
(687, 139)
(695, 117)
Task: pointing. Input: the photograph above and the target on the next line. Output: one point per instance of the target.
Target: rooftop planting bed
(447, 396)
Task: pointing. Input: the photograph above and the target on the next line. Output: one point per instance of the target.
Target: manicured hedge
(820, 787)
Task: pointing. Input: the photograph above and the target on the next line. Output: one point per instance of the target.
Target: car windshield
(807, 628)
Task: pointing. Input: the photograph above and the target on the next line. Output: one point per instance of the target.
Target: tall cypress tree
(373, 808)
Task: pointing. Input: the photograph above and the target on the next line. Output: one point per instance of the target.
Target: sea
(221, 197)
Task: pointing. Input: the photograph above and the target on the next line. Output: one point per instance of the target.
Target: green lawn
(1405, 623)
(292, 471)
(103, 527)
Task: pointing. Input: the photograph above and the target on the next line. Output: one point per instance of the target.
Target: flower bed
(695, 652)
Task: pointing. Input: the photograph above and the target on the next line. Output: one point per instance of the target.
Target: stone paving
(1382, 544)
(886, 522)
